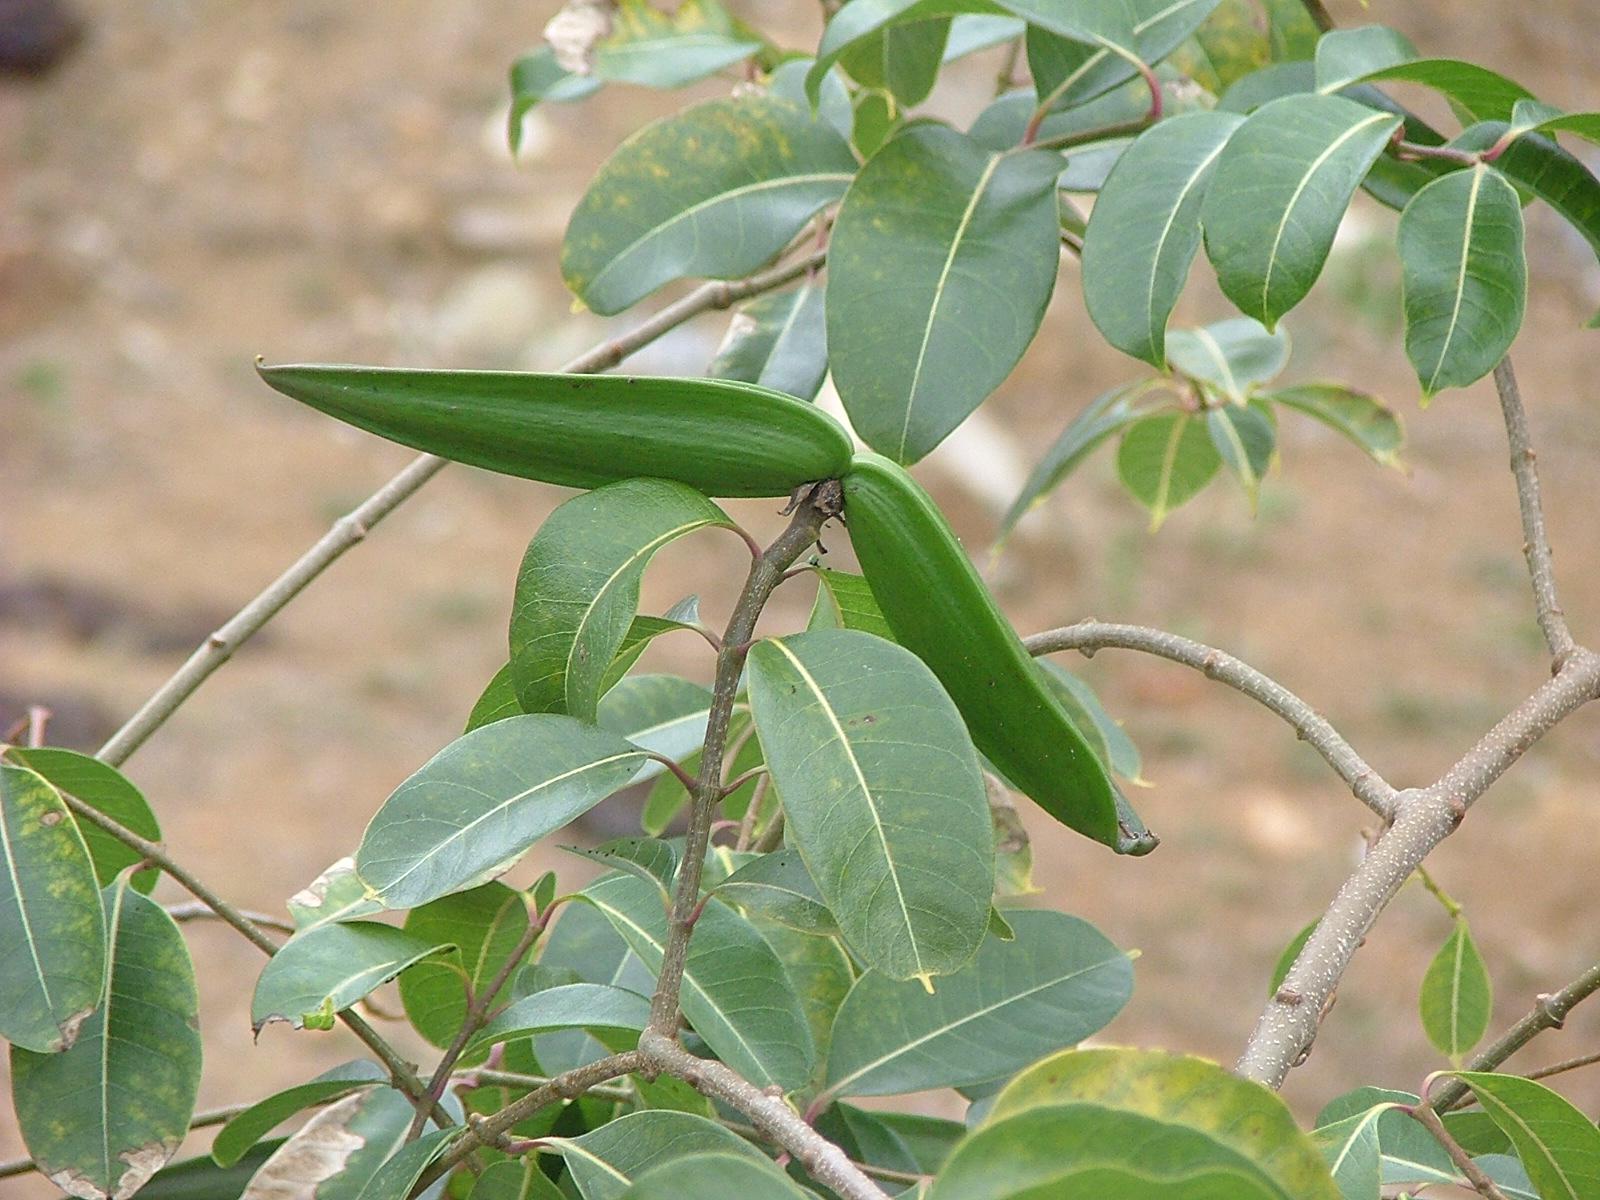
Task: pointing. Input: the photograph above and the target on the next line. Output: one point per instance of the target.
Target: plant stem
(195, 910)
(487, 1077)
(351, 528)
(1480, 1182)
(404, 1077)
(813, 506)
(1320, 17)
(1089, 636)
(1535, 540)
(1565, 1065)
(1549, 1011)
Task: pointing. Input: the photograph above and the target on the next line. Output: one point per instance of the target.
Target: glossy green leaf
(820, 972)
(1377, 54)
(520, 1179)
(1281, 187)
(52, 926)
(582, 948)
(1233, 357)
(1094, 22)
(474, 807)
(778, 887)
(604, 1162)
(1003, 125)
(578, 588)
(1558, 1145)
(1345, 55)
(1195, 1118)
(712, 192)
(334, 1154)
(779, 341)
(497, 701)
(1464, 276)
(1114, 747)
(1271, 82)
(1144, 232)
(485, 924)
(1456, 996)
(735, 992)
(103, 1116)
(918, 333)
(538, 78)
(398, 1175)
(718, 1176)
(1108, 414)
(972, 32)
(1537, 165)
(1530, 115)
(788, 82)
(651, 859)
(661, 713)
(905, 1142)
(106, 790)
(591, 1006)
(845, 601)
(883, 795)
(902, 59)
(1245, 439)
(877, 119)
(1358, 416)
(1228, 46)
(324, 971)
(235, 1139)
(338, 894)
(1068, 71)
(1165, 460)
(1057, 983)
(1353, 1153)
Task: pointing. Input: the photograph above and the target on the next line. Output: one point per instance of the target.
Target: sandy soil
(318, 180)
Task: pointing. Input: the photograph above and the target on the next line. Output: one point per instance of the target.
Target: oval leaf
(712, 192)
(106, 790)
(1230, 356)
(778, 341)
(604, 1162)
(324, 971)
(1456, 996)
(1165, 460)
(1143, 234)
(52, 924)
(778, 887)
(143, 1042)
(1358, 416)
(715, 1177)
(235, 1139)
(1558, 1145)
(735, 991)
(919, 333)
(485, 798)
(1057, 983)
(883, 795)
(1281, 188)
(1464, 276)
(662, 713)
(578, 589)
(591, 1006)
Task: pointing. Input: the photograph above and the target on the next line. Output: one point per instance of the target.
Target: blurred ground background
(318, 180)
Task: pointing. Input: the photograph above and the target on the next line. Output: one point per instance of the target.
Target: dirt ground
(320, 180)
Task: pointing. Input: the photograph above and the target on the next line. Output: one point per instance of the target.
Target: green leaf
(735, 991)
(1068, 71)
(335, 895)
(1228, 46)
(582, 948)
(1558, 1145)
(1291, 29)
(474, 807)
(788, 82)
(515, 1180)
(538, 78)
(918, 333)
(1464, 276)
(1271, 82)
(1093, 22)
(1108, 414)
(712, 192)
(1456, 998)
(199, 1178)
(1280, 969)
(1358, 416)
(972, 32)
(1232, 356)
(651, 859)
(486, 925)
(324, 971)
(497, 701)
(820, 972)
(1057, 983)
(101, 1117)
(1188, 1118)
(588, 1006)
(662, 713)
(907, 1142)
(398, 1174)
(1143, 235)
(578, 588)
(715, 1177)
(883, 795)
(1537, 165)
(106, 790)
(1281, 187)
(877, 119)
(52, 926)
(1165, 460)
(1352, 1150)
(604, 1162)
(1099, 728)
(1377, 54)
(845, 599)
(334, 1154)
(1245, 440)
(1529, 115)
(778, 887)
(779, 341)
(902, 58)
(235, 1139)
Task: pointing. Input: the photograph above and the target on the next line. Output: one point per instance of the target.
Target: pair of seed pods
(735, 439)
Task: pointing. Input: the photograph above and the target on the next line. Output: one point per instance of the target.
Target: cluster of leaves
(861, 936)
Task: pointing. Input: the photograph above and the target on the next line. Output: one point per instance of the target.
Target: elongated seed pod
(720, 437)
(939, 608)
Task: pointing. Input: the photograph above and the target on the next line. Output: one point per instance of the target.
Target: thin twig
(1535, 540)
(196, 910)
(1320, 17)
(812, 506)
(1481, 1183)
(1565, 1065)
(487, 1077)
(354, 526)
(404, 1077)
(1424, 818)
(747, 824)
(1549, 1011)
(1089, 636)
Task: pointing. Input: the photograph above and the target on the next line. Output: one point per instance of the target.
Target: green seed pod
(939, 608)
(720, 437)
